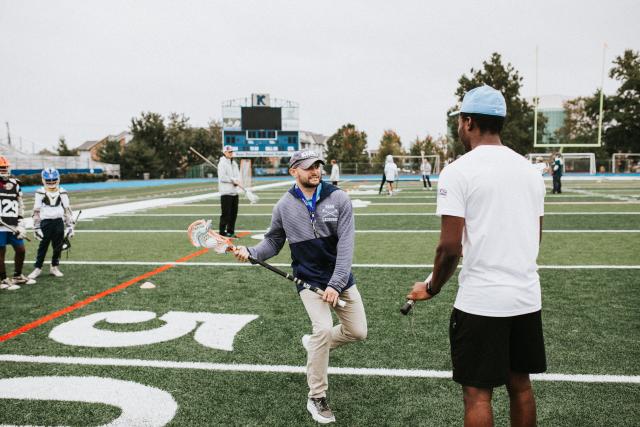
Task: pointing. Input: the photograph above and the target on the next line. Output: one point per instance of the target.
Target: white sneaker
(320, 411)
(56, 271)
(35, 273)
(306, 339)
(9, 285)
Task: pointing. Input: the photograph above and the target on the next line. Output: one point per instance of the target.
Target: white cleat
(56, 271)
(35, 273)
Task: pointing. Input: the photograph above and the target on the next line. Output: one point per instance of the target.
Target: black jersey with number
(11, 206)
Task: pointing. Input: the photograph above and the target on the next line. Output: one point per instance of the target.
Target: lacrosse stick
(201, 235)
(406, 308)
(251, 196)
(13, 230)
(66, 243)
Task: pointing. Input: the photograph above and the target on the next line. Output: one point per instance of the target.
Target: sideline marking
(196, 215)
(87, 301)
(232, 367)
(280, 264)
(247, 232)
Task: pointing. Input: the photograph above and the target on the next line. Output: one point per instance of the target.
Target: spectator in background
(557, 171)
(228, 180)
(541, 166)
(390, 172)
(335, 173)
(425, 168)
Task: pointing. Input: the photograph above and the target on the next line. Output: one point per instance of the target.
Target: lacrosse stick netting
(201, 235)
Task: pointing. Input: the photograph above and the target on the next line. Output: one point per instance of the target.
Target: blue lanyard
(310, 205)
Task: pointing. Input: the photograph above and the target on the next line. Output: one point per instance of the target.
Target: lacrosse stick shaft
(203, 157)
(406, 308)
(211, 163)
(294, 279)
(13, 230)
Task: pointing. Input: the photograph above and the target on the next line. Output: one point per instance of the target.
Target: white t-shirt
(501, 197)
(541, 167)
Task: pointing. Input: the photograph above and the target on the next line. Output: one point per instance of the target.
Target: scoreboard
(261, 126)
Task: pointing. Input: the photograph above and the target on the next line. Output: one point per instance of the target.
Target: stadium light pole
(604, 50)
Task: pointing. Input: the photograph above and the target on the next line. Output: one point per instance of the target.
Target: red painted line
(80, 304)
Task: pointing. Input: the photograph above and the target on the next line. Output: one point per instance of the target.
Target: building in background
(313, 141)
(90, 149)
(552, 108)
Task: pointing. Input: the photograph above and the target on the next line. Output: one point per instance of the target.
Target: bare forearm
(444, 265)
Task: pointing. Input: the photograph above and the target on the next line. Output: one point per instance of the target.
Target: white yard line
(288, 369)
(153, 203)
(367, 214)
(152, 231)
(243, 205)
(244, 264)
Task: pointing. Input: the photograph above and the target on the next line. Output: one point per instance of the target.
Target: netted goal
(572, 162)
(410, 165)
(625, 163)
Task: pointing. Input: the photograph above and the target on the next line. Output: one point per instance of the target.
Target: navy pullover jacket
(321, 258)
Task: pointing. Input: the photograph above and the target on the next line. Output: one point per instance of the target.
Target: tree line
(160, 145)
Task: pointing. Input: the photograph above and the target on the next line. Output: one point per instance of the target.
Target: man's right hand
(38, 233)
(241, 253)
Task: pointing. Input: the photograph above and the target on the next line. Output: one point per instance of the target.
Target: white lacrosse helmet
(50, 179)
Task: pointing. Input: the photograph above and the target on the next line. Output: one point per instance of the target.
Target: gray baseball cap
(304, 159)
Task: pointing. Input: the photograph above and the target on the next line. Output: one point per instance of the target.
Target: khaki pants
(326, 337)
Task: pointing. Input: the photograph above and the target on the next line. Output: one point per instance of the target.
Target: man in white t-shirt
(496, 328)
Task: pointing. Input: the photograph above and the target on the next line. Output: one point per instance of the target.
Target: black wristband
(430, 291)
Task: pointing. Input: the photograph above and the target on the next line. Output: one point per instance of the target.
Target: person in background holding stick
(228, 182)
(52, 221)
(495, 329)
(317, 220)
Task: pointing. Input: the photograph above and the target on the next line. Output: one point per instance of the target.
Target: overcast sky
(82, 69)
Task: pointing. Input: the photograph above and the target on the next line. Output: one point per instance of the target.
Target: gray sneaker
(320, 411)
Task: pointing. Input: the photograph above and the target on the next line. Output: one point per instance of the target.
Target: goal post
(625, 163)
(572, 162)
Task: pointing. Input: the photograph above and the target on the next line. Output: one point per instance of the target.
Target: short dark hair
(485, 122)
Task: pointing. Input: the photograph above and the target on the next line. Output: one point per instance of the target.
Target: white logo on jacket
(329, 213)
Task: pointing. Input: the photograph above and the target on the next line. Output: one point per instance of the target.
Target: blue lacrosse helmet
(50, 179)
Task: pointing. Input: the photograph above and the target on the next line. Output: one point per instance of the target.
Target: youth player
(12, 231)
(52, 221)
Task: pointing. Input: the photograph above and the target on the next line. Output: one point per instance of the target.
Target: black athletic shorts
(484, 349)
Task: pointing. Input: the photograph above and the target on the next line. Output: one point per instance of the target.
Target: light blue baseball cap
(483, 100)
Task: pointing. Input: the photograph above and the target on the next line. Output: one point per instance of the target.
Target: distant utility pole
(8, 133)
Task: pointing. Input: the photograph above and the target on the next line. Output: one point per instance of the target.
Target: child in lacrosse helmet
(12, 231)
(52, 221)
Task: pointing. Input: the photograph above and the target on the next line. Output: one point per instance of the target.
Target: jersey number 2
(9, 208)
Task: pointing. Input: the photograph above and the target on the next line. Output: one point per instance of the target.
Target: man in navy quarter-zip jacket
(317, 219)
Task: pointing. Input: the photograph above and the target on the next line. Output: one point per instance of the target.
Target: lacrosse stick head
(201, 235)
